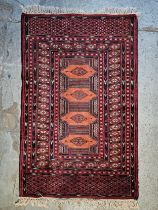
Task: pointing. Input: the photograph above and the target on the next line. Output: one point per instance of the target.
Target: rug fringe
(74, 202)
(35, 9)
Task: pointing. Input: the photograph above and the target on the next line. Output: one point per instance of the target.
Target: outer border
(22, 106)
(136, 105)
(23, 103)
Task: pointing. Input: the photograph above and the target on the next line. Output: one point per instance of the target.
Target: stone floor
(10, 92)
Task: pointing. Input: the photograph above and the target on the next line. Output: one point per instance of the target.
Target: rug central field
(79, 106)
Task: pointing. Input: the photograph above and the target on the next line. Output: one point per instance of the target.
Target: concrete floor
(10, 91)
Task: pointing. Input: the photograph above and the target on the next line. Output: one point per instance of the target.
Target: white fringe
(35, 9)
(73, 203)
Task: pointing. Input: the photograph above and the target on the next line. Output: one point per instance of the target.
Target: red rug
(79, 106)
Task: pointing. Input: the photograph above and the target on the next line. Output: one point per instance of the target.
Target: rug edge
(136, 195)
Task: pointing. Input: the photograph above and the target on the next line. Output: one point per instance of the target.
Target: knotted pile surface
(79, 106)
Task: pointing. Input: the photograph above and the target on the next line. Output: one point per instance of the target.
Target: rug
(79, 106)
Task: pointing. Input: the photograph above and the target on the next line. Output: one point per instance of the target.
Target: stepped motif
(78, 117)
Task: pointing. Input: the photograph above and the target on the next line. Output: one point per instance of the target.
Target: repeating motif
(78, 117)
(89, 185)
(82, 26)
(79, 106)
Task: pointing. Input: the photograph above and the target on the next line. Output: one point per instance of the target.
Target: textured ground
(10, 92)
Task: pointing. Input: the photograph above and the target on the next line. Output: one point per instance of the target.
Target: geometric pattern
(78, 71)
(78, 95)
(78, 141)
(108, 187)
(83, 143)
(79, 118)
